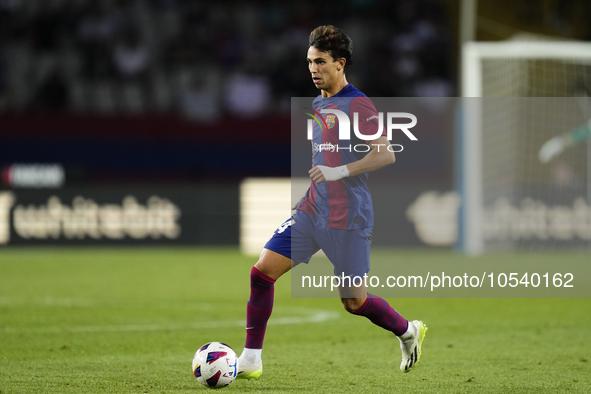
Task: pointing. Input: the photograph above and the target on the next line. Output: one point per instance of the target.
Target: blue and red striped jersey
(345, 203)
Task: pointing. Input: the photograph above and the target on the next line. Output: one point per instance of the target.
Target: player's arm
(558, 144)
(377, 158)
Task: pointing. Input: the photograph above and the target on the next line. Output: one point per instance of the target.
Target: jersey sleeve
(368, 117)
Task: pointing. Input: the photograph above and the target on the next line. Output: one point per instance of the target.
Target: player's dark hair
(331, 39)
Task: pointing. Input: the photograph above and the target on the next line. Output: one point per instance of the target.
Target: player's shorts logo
(330, 121)
(284, 226)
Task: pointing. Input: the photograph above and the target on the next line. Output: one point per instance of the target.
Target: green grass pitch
(129, 321)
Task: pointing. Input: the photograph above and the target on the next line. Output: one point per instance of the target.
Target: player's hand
(552, 148)
(321, 174)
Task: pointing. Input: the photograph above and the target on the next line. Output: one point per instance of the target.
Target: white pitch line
(48, 301)
(89, 303)
(317, 316)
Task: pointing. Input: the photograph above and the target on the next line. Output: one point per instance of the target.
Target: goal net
(524, 173)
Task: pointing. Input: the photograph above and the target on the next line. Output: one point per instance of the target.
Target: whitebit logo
(435, 216)
(158, 218)
(6, 201)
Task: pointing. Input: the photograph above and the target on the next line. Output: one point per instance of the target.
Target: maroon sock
(382, 314)
(259, 308)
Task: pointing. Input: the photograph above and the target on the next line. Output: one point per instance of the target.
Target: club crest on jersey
(330, 121)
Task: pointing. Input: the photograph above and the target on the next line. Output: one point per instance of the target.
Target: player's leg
(410, 333)
(270, 267)
(275, 260)
(357, 301)
(353, 298)
(351, 257)
(349, 252)
(273, 264)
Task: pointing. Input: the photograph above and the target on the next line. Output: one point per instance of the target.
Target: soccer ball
(215, 365)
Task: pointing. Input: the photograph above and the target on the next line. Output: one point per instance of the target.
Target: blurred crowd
(209, 59)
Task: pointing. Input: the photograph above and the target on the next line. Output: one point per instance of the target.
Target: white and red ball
(215, 365)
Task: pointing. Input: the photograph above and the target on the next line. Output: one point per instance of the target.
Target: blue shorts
(299, 237)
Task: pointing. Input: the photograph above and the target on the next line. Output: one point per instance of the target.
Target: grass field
(129, 320)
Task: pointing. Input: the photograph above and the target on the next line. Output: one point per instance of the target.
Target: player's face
(325, 70)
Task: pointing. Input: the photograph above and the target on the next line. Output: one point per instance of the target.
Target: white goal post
(473, 53)
(511, 71)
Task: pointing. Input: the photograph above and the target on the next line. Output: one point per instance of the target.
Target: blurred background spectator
(145, 89)
(247, 57)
